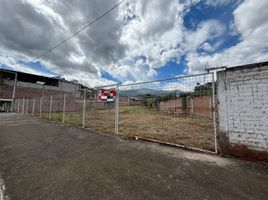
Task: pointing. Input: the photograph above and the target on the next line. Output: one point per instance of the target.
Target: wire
(76, 33)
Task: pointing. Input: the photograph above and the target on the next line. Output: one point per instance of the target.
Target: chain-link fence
(178, 111)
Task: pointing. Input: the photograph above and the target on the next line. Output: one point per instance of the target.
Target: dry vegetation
(148, 123)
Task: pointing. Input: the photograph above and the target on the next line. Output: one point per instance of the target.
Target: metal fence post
(33, 107)
(192, 105)
(40, 111)
(27, 105)
(15, 104)
(23, 102)
(214, 111)
(63, 113)
(50, 107)
(116, 109)
(84, 109)
(14, 92)
(18, 109)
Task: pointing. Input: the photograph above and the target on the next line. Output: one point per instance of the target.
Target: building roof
(259, 64)
(33, 78)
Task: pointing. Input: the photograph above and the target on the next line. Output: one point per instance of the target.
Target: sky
(139, 41)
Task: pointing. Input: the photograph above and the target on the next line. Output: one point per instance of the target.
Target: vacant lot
(196, 131)
(45, 160)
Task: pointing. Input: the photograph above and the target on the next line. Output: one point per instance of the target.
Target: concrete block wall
(243, 110)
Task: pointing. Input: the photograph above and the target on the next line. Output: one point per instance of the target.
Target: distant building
(15, 85)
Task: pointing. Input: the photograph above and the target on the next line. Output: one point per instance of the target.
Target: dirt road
(45, 160)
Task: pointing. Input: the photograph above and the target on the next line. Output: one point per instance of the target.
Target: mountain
(146, 91)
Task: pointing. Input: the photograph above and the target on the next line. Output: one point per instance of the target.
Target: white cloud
(186, 84)
(206, 31)
(88, 79)
(182, 86)
(250, 20)
(10, 61)
(219, 2)
(207, 47)
(131, 42)
(151, 73)
(155, 31)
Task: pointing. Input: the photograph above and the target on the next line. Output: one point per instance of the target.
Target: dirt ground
(40, 159)
(189, 131)
(194, 132)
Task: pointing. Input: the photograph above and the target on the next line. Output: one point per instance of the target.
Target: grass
(148, 123)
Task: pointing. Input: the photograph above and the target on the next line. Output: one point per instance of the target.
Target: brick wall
(200, 106)
(172, 106)
(71, 103)
(243, 108)
(26, 92)
(129, 101)
(6, 91)
(31, 90)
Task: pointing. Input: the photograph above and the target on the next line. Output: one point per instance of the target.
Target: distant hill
(146, 91)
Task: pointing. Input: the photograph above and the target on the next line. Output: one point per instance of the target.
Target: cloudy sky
(140, 40)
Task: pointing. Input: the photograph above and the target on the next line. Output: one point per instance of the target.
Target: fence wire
(100, 114)
(178, 111)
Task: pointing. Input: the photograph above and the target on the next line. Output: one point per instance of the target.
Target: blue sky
(139, 41)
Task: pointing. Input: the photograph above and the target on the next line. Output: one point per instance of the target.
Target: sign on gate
(107, 95)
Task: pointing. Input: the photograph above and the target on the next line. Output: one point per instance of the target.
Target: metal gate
(100, 109)
(178, 111)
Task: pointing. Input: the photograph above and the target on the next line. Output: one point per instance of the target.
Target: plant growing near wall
(148, 100)
(204, 90)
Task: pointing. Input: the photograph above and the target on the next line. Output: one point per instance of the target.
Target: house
(16, 85)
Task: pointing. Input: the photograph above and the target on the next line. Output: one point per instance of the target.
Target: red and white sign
(107, 95)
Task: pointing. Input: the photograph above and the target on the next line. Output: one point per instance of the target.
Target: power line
(76, 33)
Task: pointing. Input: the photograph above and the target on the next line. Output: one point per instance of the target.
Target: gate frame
(173, 144)
(213, 107)
(117, 109)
